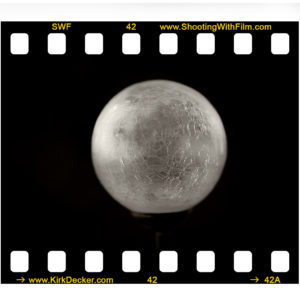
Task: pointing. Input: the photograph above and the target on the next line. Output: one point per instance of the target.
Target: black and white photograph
(149, 152)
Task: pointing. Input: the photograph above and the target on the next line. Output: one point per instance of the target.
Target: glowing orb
(159, 147)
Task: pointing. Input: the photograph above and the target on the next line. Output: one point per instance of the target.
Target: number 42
(152, 279)
(131, 26)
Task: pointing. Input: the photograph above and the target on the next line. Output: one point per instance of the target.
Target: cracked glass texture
(159, 147)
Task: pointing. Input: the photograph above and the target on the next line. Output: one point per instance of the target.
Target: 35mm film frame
(130, 42)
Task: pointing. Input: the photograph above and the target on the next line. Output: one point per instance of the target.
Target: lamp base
(160, 224)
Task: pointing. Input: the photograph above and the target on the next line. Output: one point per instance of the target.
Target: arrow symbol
(256, 279)
(22, 279)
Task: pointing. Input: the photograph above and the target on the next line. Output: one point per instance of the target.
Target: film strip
(149, 152)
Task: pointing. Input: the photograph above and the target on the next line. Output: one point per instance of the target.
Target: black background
(52, 200)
